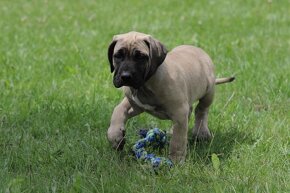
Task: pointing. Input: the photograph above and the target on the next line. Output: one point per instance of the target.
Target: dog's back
(192, 67)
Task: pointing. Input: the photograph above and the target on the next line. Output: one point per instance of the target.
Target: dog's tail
(224, 80)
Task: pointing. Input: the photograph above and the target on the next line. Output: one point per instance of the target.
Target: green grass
(57, 96)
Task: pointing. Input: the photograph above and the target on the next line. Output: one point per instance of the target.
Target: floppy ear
(157, 54)
(111, 52)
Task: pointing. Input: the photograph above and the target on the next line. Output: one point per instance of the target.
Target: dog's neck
(145, 95)
(143, 90)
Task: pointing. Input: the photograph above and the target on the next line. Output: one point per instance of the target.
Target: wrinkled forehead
(131, 42)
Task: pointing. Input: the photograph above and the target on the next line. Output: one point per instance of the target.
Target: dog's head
(134, 57)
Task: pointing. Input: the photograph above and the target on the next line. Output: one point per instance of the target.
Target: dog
(164, 84)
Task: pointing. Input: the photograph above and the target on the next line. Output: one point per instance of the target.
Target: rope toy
(155, 138)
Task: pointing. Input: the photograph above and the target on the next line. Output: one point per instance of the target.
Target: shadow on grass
(223, 144)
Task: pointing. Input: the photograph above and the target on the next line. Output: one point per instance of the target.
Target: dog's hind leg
(116, 131)
(200, 130)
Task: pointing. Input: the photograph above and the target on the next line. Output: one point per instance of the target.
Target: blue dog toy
(155, 138)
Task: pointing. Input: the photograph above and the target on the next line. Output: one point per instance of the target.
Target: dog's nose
(126, 76)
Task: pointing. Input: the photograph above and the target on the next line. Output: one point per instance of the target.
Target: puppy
(164, 84)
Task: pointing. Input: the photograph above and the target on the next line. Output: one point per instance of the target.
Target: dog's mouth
(118, 82)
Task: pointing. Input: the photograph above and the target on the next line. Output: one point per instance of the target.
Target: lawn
(57, 96)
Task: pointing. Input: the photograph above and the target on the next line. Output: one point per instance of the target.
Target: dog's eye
(140, 56)
(119, 55)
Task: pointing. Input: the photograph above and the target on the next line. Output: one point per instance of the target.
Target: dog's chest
(146, 100)
(142, 105)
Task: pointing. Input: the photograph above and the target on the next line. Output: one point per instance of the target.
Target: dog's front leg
(178, 143)
(121, 114)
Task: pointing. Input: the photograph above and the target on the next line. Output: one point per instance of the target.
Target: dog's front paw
(177, 158)
(116, 137)
(177, 153)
